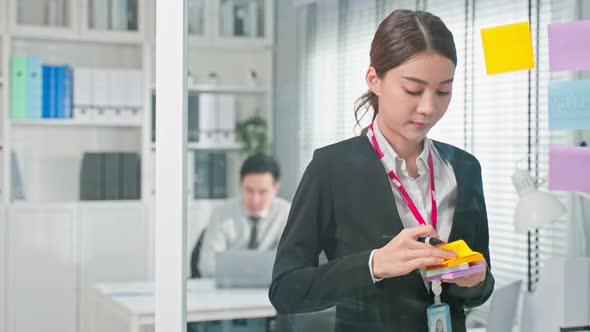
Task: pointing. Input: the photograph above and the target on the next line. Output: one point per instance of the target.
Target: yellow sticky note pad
(459, 246)
(464, 255)
(508, 48)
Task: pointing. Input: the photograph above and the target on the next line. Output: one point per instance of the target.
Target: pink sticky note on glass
(569, 46)
(569, 168)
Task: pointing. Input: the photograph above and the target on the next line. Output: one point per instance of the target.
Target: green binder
(18, 87)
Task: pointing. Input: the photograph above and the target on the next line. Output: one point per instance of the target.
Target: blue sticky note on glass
(569, 105)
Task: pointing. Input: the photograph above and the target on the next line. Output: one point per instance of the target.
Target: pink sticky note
(569, 168)
(457, 274)
(569, 46)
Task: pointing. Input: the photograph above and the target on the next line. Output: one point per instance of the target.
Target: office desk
(131, 306)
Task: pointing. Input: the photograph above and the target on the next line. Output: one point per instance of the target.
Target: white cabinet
(41, 269)
(56, 253)
(3, 250)
(113, 237)
(114, 247)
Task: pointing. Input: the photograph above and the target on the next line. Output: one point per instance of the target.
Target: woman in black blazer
(346, 204)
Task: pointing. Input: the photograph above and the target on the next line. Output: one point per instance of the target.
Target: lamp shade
(535, 208)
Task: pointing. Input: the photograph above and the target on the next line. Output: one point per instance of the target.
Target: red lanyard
(400, 187)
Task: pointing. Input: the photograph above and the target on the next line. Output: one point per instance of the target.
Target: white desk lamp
(535, 208)
(561, 297)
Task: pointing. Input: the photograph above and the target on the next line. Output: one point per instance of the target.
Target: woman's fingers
(434, 251)
(472, 279)
(404, 253)
(413, 244)
(417, 263)
(440, 252)
(424, 230)
(429, 252)
(467, 281)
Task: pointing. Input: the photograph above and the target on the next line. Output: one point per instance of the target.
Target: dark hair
(260, 163)
(399, 37)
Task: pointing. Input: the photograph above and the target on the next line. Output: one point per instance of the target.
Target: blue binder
(46, 105)
(59, 92)
(34, 88)
(66, 93)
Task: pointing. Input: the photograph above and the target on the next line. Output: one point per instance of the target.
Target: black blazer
(343, 206)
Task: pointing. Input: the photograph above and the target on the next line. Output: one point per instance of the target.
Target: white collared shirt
(230, 228)
(419, 188)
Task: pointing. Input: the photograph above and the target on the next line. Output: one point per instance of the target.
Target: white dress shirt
(419, 188)
(230, 227)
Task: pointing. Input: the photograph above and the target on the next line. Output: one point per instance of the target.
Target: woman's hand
(403, 254)
(471, 280)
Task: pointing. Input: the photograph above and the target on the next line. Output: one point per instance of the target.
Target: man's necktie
(253, 243)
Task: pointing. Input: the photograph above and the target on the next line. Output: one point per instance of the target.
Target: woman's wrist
(375, 265)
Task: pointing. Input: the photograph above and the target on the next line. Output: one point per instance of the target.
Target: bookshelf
(222, 63)
(4, 174)
(199, 16)
(235, 89)
(49, 153)
(200, 146)
(49, 150)
(230, 23)
(50, 18)
(43, 13)
(59, 144)
(243, 22)
(3, 23)
(120, 27)
(76, 123)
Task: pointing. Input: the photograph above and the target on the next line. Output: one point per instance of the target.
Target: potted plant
(252, 134)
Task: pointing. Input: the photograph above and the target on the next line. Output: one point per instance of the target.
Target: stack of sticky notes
(458, 266)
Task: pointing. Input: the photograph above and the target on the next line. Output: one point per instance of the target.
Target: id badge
(439, 318)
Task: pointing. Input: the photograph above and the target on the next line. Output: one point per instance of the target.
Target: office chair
(195, 256)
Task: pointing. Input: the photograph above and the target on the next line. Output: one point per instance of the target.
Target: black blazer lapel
(371, 168)
(463, 174)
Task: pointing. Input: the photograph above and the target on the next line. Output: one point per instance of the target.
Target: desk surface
(204, 301)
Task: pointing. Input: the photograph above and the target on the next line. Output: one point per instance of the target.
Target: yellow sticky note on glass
(508, 48)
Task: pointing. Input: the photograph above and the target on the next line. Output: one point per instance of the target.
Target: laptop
(503, 308)
(244, 268)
